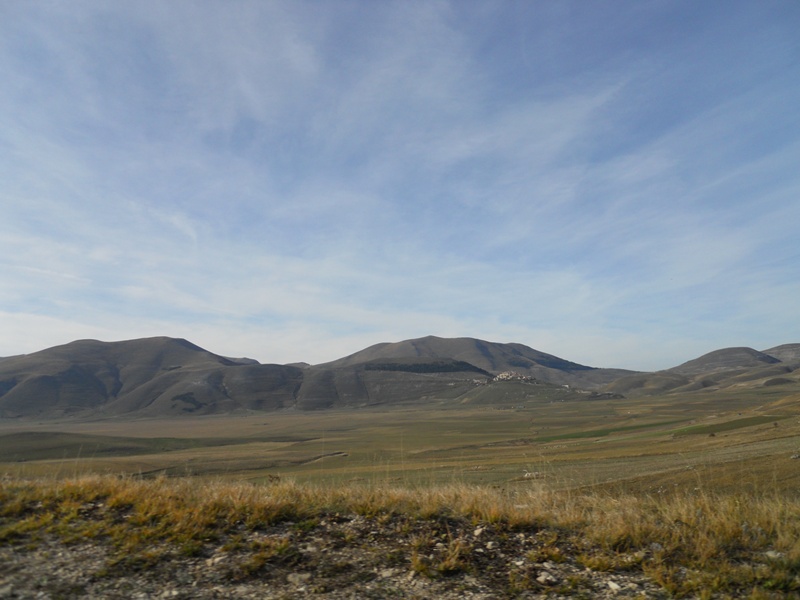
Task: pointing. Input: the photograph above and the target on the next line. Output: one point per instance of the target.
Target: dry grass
(647, 443)
(690, 543)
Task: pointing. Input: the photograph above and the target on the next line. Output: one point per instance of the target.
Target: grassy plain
(742, 439)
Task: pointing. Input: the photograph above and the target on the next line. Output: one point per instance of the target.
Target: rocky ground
(335, 556)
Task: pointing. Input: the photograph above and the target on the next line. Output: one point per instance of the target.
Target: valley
(744, 440)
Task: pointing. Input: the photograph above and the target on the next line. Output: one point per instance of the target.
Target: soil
(336, 556)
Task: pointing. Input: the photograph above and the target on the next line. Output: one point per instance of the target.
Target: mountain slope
(491, 357)
(724, 360)
(388, 381)
(719, 369)
(788, 353)
(153, 376)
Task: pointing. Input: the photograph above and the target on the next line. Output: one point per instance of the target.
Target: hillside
(716, 370)
(725, 360)
(491, 357)
(788, 353)
(152, 376)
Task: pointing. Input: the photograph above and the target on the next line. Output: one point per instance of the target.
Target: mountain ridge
(163, 376)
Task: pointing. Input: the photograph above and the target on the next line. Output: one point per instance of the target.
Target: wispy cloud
(295, 180)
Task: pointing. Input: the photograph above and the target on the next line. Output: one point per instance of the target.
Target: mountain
(152, 376)
(720, 369)
(491, 357)
(725, 360)
(431, 369)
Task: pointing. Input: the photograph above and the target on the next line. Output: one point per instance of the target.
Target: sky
(613, 182)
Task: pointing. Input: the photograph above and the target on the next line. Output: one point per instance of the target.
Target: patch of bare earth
(335, 556)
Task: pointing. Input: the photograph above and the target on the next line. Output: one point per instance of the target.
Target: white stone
(298, 578)
(546, 578)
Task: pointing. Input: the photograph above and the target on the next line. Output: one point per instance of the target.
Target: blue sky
(616, 183)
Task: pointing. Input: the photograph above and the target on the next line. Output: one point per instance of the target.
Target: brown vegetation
(503, 542)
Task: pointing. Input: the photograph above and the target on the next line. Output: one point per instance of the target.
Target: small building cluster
(513, 376)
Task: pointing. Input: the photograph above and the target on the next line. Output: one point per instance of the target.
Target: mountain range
(165, 376)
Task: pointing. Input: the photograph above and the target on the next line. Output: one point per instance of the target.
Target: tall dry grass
(687, 542)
